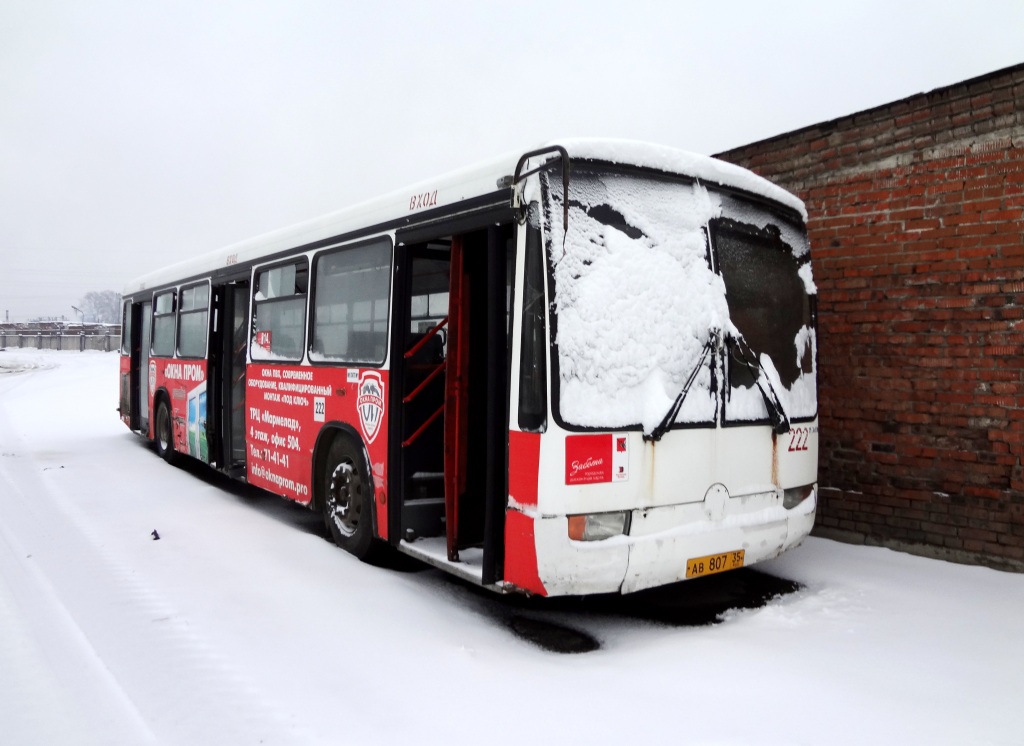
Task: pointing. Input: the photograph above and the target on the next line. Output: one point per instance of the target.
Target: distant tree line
(97, 307)
(103, 306)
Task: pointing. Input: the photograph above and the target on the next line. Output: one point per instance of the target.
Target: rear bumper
(660, 542)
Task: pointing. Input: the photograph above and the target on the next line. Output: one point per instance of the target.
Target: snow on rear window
(635, 297)
(637, 301)
(759, 257)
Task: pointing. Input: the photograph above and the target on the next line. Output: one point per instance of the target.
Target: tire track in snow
(53, 688)
(83, 615)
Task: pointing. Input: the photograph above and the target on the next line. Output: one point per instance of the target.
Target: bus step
(424, 501)
(427, 476)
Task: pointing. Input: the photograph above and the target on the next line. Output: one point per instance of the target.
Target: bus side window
(163, 325)
(126, 328)
(279, 312)
(351, 304)
(193, 321)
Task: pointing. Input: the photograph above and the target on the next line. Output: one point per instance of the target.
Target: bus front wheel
(348, 499)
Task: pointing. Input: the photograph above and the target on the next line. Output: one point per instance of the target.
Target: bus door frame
(140, 363)
(134, 346)
(490, 276)
(222, 350)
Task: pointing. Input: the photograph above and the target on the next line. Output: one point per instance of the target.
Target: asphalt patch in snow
(552, 636)
(574, 625)
(704, 601)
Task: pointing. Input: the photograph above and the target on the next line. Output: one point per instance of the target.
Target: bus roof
(449, 190)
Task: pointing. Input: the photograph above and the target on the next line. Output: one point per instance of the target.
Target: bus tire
(348, 499)
(163, 433)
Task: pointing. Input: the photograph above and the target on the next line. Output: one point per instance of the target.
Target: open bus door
(140, 362)
(226, 375)
(449, 374)
(131, 405)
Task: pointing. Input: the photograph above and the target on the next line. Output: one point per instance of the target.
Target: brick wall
(917, 232)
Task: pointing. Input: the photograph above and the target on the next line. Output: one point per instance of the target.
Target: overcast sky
(136, 133)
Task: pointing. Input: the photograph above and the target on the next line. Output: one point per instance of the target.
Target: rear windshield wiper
(673, 411)
(776, 414)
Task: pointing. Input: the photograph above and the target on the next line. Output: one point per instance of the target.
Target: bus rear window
(636, 302)
(654, 278)
(770, 307)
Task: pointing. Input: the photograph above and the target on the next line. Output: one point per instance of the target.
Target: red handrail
(423, 384)
(412, 438)
(416, 347)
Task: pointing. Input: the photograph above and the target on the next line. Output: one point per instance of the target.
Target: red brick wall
(917, 233)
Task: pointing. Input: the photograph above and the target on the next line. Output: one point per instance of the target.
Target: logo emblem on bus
(370, 403)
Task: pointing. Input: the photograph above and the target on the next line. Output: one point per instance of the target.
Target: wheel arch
(324, 439)
(162, 398)
(160, 395)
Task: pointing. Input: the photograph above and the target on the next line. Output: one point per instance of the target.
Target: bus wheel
(163, 436)
(348, 499)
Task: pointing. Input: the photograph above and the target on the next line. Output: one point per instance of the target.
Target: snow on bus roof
(673, 160)
(456, 186)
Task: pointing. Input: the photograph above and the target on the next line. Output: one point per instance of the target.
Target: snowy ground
(242, 624)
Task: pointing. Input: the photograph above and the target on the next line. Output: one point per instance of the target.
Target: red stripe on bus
(521, 553)
(523, 466)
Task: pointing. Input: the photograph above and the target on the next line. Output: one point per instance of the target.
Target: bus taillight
(597, 526)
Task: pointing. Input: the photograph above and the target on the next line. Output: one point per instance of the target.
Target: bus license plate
(709, 565)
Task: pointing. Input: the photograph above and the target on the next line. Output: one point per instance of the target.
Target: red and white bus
(586, 368)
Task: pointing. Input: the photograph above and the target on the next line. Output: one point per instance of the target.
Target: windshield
(649, 272)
